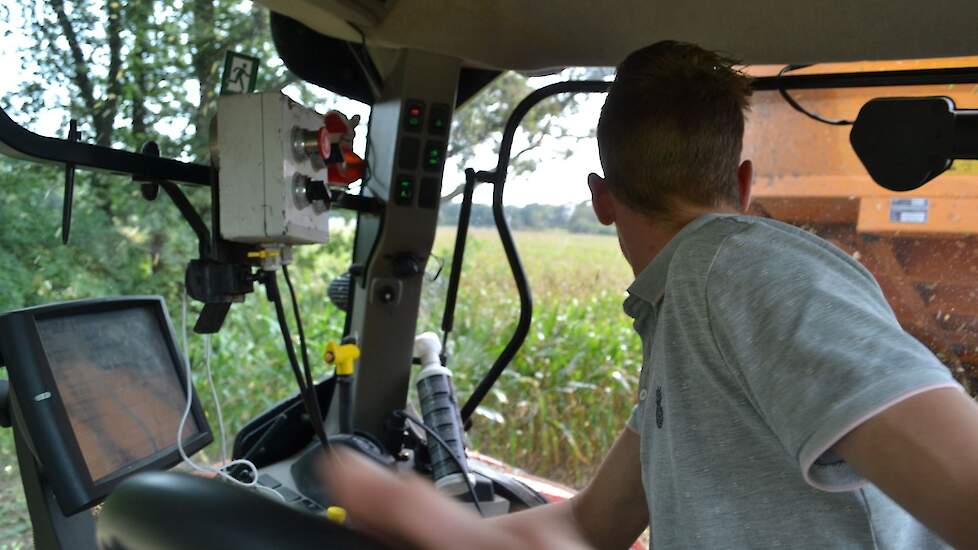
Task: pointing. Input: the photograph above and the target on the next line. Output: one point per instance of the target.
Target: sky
(557, 180)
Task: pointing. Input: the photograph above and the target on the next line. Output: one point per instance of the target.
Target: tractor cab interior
(844, 130)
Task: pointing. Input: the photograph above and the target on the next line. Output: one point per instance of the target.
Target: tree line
(577, 218)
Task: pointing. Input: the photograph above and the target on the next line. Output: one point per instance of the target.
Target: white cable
(217, 401)
(220, 472)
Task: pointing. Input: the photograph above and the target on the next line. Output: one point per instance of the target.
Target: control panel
(269, 147)
(421, 153)
(410, 124)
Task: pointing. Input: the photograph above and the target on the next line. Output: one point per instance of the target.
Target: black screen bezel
(49, 429)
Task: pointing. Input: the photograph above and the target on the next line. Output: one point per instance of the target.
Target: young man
(780, 402)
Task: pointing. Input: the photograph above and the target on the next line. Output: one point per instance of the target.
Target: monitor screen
(119, 384)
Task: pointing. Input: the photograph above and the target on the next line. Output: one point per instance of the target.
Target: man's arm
(610, 513)
(923, 452)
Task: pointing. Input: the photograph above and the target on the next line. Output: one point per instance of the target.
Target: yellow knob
(343, 356)
(263, 254)
(336, 514)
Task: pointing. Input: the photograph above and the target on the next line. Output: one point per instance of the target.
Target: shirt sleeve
(810, 337)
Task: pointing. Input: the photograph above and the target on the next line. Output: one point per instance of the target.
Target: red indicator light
(415, 111)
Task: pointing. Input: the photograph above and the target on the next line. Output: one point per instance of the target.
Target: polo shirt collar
(650, 284)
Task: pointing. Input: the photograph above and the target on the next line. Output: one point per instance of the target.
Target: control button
(430, 193)
(434, 156)
(404, 190)
(407, 155)
(268, 481)
(336, 514)
(288, 494)
(439, 119)
(413, 115)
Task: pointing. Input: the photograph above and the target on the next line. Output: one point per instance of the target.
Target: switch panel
(439, 119)
(434, 156)
(414, 116)
(404, 190)
(429, 195)
(407, 155)
(262, 173)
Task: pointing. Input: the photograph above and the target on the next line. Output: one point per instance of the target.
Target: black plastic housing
(41, 411)
(904, 142)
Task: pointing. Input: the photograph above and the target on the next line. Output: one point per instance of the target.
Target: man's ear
(601, 199)
(745, 180)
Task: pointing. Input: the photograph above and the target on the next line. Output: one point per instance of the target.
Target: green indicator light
(439, 123)
(414, 121)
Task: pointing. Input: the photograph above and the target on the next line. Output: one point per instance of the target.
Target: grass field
(553, 413)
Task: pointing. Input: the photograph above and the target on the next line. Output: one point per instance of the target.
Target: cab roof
(538, 35)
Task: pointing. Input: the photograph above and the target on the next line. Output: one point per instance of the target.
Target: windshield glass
(582, 358)
(920, 245)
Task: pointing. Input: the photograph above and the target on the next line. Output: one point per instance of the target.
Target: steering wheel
(172, 511)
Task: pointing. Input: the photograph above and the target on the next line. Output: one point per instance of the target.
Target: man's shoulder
(744, 247)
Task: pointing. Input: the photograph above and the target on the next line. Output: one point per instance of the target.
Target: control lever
(343, 356)
(439, 409)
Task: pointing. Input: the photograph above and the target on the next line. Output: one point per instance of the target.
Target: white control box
(263, 167)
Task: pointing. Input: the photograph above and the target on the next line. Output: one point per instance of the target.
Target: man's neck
(642, 237)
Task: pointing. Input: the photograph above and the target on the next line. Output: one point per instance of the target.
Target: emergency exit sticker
(908, 210)
(240, 74)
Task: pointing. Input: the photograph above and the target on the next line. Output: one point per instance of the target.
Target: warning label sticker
(908, 210)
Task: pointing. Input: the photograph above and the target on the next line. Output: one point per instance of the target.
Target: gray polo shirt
(764, 345)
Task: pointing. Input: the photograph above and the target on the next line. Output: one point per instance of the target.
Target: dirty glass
(920, 245)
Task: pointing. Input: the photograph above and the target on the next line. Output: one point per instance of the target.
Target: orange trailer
(920, 245)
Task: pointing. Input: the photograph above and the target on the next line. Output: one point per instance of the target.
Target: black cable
(307, 394)
(794, 104)
(370, 72)
(306, 370)
(458, 460)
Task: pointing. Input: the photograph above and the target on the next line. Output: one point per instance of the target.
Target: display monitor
(99, 388)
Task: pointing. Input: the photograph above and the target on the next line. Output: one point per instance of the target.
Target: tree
(478, 125)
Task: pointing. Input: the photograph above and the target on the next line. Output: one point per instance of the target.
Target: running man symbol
(240, 72)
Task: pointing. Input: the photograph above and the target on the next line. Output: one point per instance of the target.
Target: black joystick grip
(440, 411)
(170, 511)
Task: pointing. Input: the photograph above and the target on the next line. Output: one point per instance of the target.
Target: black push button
(268, 481)
(407, 155)
(433, 159)
(430, 193)
(404, 190)
(288, 494)
(414, 115)
(439, 119)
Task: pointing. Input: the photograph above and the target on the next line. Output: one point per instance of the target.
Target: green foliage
(131, 72)
(566, 396)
